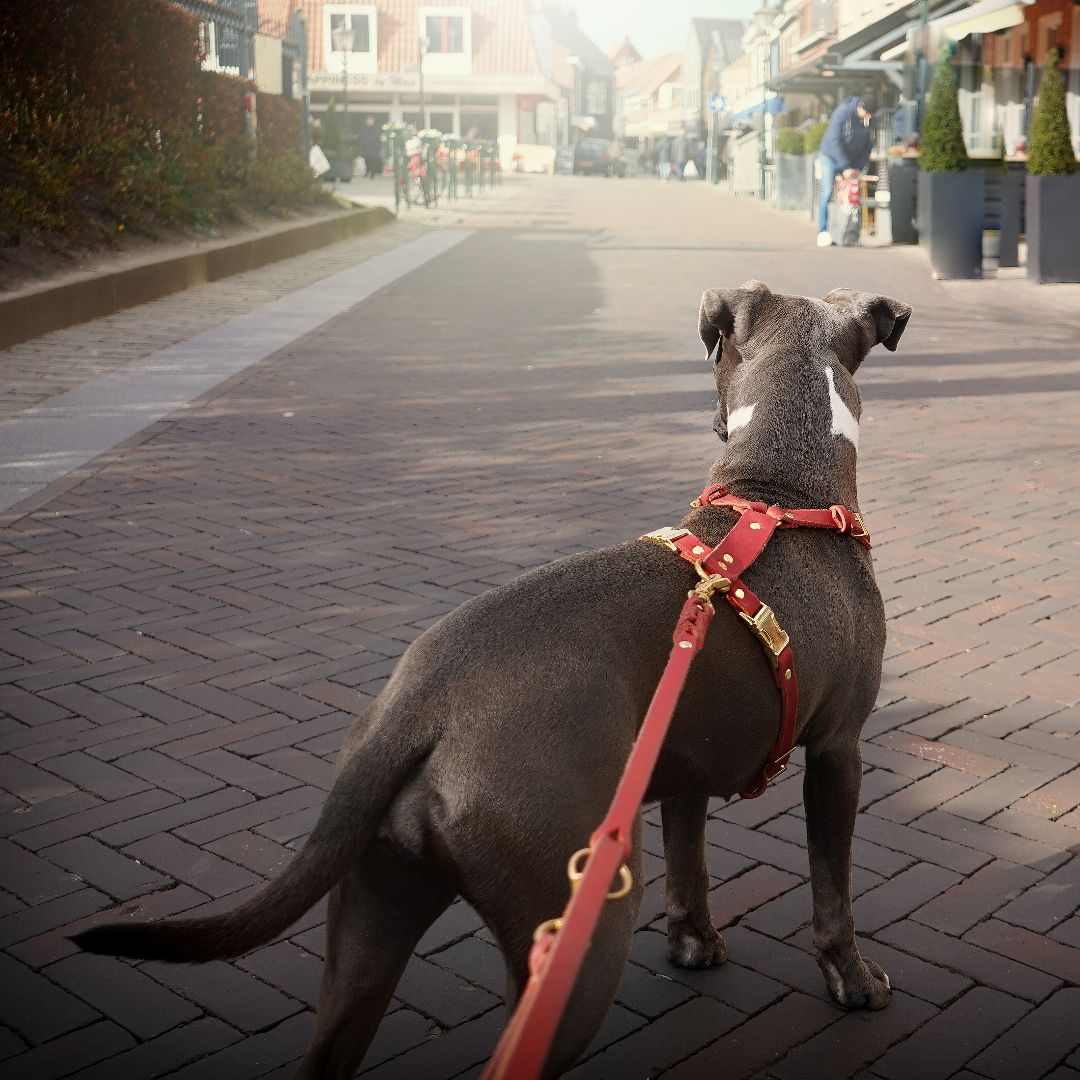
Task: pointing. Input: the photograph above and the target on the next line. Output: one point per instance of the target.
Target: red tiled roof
(647, 76)
(502, 41)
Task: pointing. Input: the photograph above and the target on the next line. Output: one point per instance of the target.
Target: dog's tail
(365, 786)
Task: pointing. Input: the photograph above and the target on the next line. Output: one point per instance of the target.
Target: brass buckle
(865, 534)
(768, 631)
(780, 764)
(665, 537)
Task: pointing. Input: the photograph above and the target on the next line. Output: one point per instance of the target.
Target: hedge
(814, 134)
(108, 122)
(790, 141)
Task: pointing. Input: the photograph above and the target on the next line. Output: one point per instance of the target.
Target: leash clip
(709, 584)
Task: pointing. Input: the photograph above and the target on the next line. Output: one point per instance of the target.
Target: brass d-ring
(550, 926)
(626, 883)
(575, 869)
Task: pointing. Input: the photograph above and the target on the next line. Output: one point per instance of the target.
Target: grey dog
(496, 746)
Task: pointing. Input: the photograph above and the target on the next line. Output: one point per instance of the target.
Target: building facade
(649, 96)
(711, 45)
(473, 67)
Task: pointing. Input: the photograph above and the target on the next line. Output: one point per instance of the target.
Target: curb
(41, 311)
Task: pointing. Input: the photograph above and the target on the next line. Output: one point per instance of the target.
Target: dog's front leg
(831, 794)
(692, 940)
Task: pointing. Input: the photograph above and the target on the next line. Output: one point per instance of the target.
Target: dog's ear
(890, 316)
(729, 312)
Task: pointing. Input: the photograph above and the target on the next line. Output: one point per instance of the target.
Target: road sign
(717, 102)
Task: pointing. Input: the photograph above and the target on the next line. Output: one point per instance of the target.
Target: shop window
(596, 97)
(445, 33)
(359, 53)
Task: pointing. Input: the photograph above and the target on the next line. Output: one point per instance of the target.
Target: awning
(982, 18)
(772, 105)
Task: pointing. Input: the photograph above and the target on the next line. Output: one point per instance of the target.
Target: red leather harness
(726, 563)
(560, 944)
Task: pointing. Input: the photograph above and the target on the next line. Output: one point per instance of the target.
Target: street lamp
(344, 37)
(763, 19)
(424, 41)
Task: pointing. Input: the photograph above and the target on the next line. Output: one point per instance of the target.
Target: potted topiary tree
(1053, 191)
(792, 179)
(951, 196)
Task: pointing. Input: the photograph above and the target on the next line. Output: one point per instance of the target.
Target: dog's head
(751, 322)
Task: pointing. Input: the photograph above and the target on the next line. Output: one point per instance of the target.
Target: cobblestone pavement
(189, 632)
(46, 366)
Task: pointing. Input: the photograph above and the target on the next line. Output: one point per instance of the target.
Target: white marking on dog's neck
(740, 418)
(843, 423)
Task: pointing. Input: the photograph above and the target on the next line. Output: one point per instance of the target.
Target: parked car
(603, 156)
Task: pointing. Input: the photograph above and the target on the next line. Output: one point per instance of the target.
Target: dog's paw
(854, 983)
(690, 948)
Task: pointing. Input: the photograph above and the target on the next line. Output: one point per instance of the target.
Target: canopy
(982, 18)
(772, 105)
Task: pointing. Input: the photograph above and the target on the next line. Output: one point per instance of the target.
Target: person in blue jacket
(845, 150)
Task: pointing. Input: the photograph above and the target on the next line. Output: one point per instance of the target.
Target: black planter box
(340, 169)
(1012, 213)
(951, 212)
(793, 181)
(1053, 228)
(902, 181)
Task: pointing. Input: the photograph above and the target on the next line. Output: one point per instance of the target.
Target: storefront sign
(329, 80)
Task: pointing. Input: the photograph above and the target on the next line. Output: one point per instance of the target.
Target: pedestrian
(371, 147)
(680, 153)
(700, 152)
(845, 151)
(663, 157)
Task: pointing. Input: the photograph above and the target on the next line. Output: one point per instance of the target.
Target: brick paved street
(188, 632)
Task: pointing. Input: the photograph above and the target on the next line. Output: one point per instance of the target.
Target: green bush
(814, 134)
(790, 141)
(1050, 150)
(941, 146)
(121, 128)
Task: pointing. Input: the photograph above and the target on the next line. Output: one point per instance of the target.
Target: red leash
(560, 944)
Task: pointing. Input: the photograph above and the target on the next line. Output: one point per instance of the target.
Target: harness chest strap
(729, 560)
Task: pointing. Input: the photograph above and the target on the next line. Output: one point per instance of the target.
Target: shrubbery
(790, 141)
(941, 147)
(814, 134)
(108, 122)
(1050, 149)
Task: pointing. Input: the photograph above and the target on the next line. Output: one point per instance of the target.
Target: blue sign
(717, 102)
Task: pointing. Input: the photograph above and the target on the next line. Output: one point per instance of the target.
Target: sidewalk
(190, 628)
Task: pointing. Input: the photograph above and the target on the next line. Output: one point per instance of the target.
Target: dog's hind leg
(513, 921)
(693, 942)
(831, 794)
(377, 913)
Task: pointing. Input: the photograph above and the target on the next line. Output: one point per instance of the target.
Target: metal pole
(301, 38)
(420, 67)
(345, 100)
(921, 64)
(761, 136)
